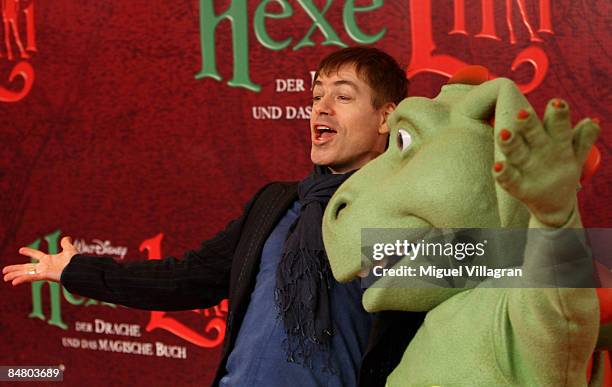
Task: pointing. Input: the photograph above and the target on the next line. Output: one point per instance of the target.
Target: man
(271, 260)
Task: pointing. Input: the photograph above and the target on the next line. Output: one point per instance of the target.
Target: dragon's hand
(544, 160)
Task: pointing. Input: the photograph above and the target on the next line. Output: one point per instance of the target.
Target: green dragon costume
(449, 165)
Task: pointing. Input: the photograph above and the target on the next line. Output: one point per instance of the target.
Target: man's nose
(324, 106)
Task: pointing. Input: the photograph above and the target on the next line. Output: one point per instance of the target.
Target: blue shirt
(259, 357)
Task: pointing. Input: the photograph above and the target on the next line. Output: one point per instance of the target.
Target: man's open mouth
(323, 134)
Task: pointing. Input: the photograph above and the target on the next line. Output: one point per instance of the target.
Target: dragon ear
(470, 75)
(591, 165)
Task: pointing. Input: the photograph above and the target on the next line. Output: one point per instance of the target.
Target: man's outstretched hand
(49, 267)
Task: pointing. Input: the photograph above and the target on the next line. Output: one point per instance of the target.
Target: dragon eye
(404, 139)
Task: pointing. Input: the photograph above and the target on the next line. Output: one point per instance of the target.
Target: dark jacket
(226, 267)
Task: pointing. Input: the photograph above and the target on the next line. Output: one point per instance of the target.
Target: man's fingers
(11, 268)
(12, 274)
(32, 253)
(66, 243)
(26, 278)
(21, 273)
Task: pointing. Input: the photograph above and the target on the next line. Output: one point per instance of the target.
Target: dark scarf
(303, 278)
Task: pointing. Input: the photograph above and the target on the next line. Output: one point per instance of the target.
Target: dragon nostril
(338, 204)
(340, 207)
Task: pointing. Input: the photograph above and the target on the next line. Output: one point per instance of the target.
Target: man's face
(346, 130)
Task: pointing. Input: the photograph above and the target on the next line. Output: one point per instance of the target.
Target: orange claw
(558, 103)
(504, 134)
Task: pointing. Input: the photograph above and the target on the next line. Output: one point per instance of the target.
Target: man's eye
(343, 98)
(404, 140)
(316, 98)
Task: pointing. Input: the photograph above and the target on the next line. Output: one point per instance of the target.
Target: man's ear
(385, 111)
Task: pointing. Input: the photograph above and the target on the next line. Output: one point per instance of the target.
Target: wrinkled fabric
(303, 278)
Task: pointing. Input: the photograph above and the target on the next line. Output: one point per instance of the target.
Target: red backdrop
(117, 129)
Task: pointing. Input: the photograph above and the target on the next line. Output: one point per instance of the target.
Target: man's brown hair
(377, 68)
